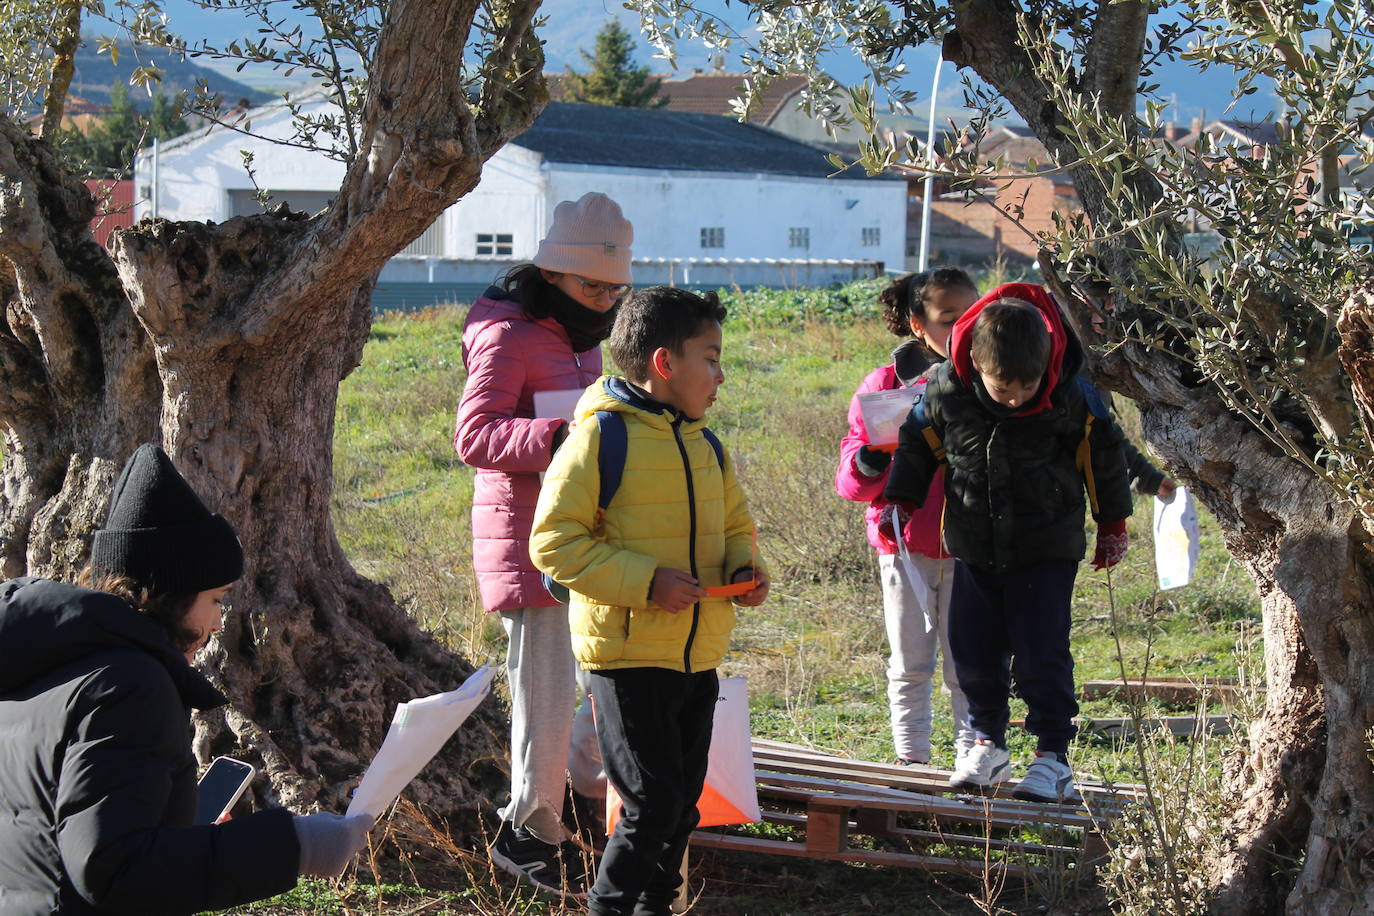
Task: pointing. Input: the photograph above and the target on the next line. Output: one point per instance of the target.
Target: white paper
(418, 730)
(925, 595)
(1177, 536)
(884, 412)
(557, 403)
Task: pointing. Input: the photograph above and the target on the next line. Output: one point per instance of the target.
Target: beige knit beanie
(590, 238)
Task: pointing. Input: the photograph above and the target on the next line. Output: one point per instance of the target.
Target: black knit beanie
(160, 534)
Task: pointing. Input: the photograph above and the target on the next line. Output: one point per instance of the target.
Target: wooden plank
(984, 841)
(870, 856)
(775, 756)
(838, 779)
(1178, 690)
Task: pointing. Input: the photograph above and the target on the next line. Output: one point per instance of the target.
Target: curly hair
(900, 296)
(170, 610)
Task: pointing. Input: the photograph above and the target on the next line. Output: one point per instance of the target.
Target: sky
(573, 24)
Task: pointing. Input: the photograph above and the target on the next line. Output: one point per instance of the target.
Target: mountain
(96, 73)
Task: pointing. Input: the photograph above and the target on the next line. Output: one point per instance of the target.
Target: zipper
(692, 543)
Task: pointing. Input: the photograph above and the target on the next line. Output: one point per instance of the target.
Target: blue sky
(573, 24)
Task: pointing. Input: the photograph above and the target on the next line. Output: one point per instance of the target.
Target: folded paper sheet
(884, 412)
(418, 730)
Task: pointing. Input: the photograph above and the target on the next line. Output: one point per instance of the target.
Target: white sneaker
(1048, 780)
(982, 767)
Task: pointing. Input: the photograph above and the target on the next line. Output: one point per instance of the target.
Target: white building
(712, 200)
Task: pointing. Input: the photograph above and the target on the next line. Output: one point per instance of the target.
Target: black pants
(654, 728)
(1015, 625)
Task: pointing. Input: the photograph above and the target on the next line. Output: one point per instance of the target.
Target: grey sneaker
(557, 870)
(984, 766)
(1048, 780)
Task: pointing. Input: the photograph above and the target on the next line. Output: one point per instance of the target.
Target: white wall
(196, 172)
(670, 209)
(518, 193)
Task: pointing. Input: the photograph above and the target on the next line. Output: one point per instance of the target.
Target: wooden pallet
(834, 801)
(1179, 726)
(1183, 691)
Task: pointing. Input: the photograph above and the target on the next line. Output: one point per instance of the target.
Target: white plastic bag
(1177, 536)
(925, 595)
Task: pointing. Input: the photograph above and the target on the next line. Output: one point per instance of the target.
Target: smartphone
(221, 786)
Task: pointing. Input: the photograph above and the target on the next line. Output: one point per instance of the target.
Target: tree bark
(227, 344)
(1303, 836)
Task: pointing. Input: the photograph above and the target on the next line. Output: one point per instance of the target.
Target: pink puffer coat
(509, 356)
(922, 534)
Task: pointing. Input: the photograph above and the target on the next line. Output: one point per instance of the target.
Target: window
(497, 244)
(712, 236)
(871, 237)
(799, 237)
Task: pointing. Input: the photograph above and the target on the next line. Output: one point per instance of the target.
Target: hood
(911, 358)
(614, 393)
(1066, 354)
(45, 625)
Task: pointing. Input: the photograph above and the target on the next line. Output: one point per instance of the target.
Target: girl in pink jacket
(540, 330)
(921, 309)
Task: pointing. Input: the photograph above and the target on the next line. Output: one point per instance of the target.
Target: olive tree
(1253, 368)
(227, 342)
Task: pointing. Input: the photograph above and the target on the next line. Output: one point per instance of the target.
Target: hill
(96, 73)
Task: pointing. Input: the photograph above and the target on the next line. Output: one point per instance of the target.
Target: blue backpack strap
(715, 445)
(918, 412)
(611, 459)
(1097, 409)
(610, 462)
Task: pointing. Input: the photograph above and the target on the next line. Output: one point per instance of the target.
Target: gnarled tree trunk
(1303, 838)
(227, 344)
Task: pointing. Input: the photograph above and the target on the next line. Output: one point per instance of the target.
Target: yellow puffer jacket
(675, 508)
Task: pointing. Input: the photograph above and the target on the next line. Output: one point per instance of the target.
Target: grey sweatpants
(547, 742)
(911, 665)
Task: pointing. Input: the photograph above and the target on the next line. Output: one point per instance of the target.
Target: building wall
(844, 218)
(196, 173)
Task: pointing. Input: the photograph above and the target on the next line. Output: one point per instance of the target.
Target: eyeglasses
(594, 288)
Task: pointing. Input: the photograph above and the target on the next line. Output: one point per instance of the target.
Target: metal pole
(157, 157)
(930, 163)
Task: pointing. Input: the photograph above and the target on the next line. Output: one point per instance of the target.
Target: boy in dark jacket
(1013, 421)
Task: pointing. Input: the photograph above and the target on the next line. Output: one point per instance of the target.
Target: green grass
(815, 654)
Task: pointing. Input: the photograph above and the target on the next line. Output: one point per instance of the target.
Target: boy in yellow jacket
(646, 575)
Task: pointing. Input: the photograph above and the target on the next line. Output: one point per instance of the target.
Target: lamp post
(930, 164)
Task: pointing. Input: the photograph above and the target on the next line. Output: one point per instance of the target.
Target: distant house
(712, 200)
(972, 225)
(114, 206)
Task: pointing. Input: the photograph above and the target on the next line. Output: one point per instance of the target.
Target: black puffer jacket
(1013, 493)
(97, 779)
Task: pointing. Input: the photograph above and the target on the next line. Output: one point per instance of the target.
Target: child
(1011, 416)
(642, 621)
(540, 331)
(921, 309)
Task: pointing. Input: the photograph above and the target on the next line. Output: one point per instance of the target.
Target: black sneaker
(542, 865)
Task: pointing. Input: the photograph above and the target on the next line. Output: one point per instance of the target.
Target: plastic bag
(730, 795)
(1177, 535)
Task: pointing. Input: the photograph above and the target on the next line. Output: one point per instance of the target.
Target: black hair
(525, 284)
(658, 316)
(907, 296)
(1010, 341)
(170, 610)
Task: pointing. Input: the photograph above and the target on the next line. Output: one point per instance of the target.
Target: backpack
(1097, 409)
(610, 461)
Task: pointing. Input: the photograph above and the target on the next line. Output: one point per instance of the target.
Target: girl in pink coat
(540, 331)
(921, 309)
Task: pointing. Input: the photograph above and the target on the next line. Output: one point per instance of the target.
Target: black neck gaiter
(586, 327)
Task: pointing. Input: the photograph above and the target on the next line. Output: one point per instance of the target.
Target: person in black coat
(1011, 417)
(97, 779)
